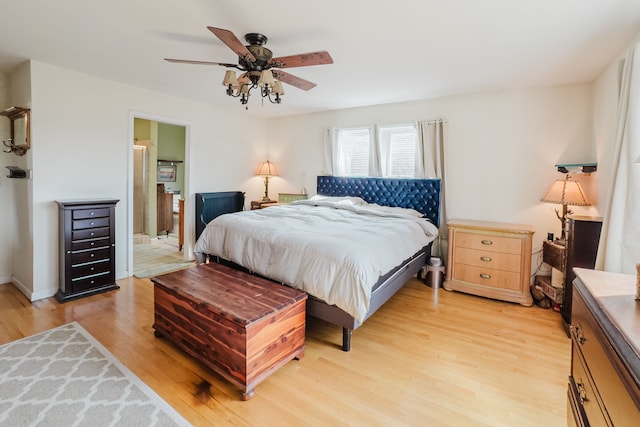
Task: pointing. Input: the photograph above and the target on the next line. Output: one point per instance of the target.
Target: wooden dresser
(490, 259)
(87, 247)
(604, 383)
(164, 204)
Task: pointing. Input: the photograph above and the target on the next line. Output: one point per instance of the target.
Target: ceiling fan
(259, 68)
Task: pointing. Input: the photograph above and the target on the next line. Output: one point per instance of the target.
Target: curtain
(619, 247)
(330, 150)
(432, 135)
(375, 167)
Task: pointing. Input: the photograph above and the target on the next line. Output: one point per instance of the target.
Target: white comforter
(333, 249)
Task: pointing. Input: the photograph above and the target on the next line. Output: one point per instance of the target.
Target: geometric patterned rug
(64, 377)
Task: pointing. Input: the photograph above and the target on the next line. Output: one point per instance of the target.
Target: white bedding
(333, 249)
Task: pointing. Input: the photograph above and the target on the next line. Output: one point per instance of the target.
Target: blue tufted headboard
(420, 194)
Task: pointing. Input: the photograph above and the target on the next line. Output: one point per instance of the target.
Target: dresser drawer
(486, 259)
(488, 242)
(586, 394)
(89, 256)
(79, 285)
(90, 233)
(90, 223)
(588, 345)
(92, 269)
(487, 277)
(90, 244)
(90, 213)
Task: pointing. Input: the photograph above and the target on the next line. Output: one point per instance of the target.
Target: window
(398, 150)
(354, 152)
(396, 147)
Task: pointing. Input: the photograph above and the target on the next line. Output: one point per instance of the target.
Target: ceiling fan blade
(188, 61)
(228, 38)
(302, 60)
(293, 80)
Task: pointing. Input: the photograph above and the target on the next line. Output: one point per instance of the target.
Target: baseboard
(32, 296)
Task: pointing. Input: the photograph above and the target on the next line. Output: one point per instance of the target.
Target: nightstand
(260, 204)
(490, 259)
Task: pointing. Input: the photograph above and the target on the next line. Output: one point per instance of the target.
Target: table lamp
(565, 192)
(267, 170)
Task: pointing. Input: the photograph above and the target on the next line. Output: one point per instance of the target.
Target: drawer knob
(485, 276)
(579, 334)
(486, 242)
(92, 255)
(93, 213)
(485, 258)
(582, 392)
(92, 223)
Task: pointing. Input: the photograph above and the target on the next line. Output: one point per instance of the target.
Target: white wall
(19, 239)
(502, 148)
(6, 190)
(82, 142)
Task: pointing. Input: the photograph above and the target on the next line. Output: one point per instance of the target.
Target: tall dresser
(490, 259)
(583, 238)
(87, 247)
(604, 382)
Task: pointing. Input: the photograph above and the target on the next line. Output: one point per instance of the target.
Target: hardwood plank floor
(426, 358)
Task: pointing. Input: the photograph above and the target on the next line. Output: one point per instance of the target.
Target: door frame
(187, 249)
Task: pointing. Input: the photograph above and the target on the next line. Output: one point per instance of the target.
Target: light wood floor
(426, 358)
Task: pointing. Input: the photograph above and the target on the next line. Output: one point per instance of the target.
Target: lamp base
(266, 199)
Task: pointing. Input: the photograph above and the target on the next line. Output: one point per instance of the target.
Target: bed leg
(346, 339)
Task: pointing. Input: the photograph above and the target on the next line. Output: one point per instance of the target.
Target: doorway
(158, 184)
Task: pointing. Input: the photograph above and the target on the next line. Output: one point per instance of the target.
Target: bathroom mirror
(20, 138)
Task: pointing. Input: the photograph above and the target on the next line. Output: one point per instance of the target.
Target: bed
(253, 241)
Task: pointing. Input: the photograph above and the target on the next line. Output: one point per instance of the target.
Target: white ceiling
(383, 51)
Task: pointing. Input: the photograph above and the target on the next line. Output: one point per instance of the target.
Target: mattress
(335, 249)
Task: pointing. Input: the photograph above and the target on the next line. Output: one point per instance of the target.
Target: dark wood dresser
(604, 383)
(87, 247)
(579, 250)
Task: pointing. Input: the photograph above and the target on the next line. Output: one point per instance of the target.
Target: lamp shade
(267, 169)
(566, 192)
(230, 79)
(266, 78)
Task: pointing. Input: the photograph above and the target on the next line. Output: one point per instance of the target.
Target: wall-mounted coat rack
(20, 140)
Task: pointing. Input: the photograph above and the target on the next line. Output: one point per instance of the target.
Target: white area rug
(64, 377)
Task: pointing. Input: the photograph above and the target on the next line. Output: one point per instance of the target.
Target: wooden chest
(490, 259)
(242, 326)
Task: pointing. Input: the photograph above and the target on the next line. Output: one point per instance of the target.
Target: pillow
(347, 200)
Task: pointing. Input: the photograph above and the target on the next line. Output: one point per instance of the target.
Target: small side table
(260, 204)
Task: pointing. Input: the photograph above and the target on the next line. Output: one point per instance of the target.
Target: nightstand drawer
(489, 242)
(487, 277)
(554, 255)
(486, 259)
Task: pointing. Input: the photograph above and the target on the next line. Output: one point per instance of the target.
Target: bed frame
(422, 195)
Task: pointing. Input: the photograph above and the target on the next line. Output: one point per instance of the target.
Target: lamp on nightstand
(565, 192)
(267, 170)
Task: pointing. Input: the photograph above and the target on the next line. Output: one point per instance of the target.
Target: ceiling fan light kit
(259, 68)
